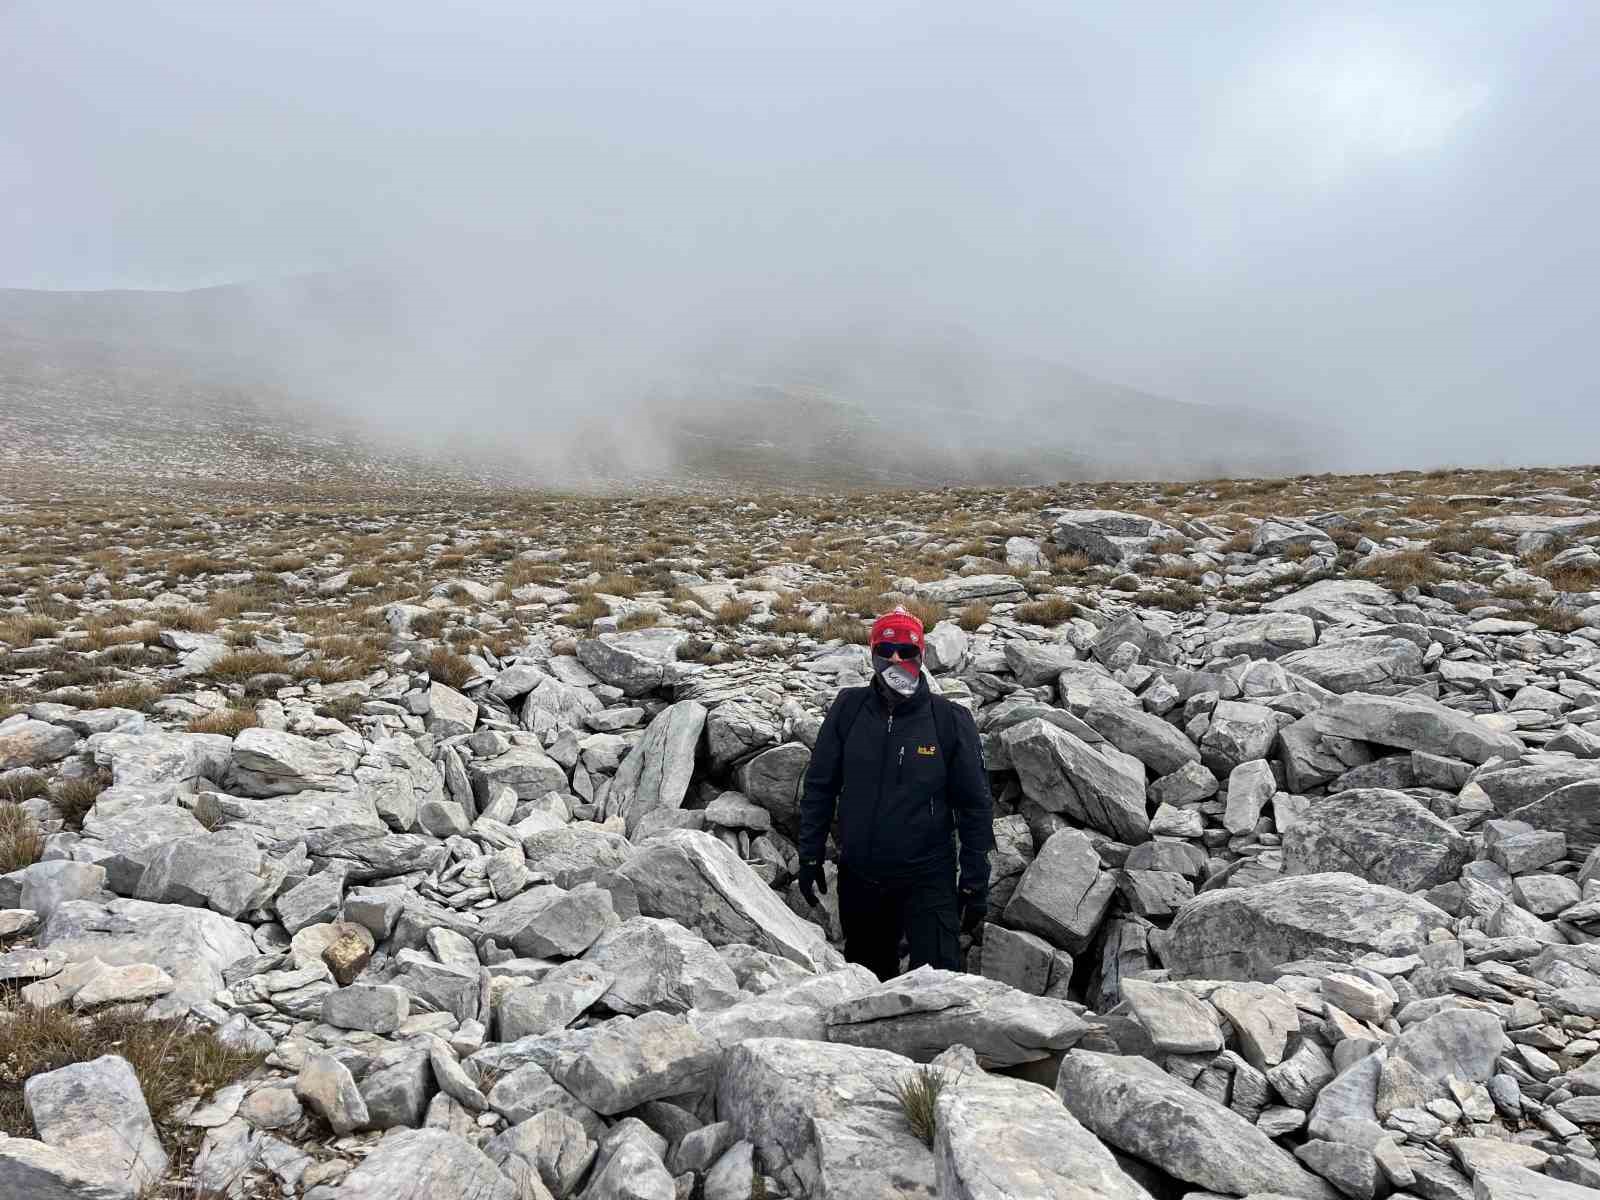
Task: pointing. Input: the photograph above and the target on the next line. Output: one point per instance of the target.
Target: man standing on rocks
(904, 769)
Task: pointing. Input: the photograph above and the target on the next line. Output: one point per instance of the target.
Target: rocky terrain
(446, 841)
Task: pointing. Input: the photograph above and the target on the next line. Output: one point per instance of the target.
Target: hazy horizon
(1375, 221)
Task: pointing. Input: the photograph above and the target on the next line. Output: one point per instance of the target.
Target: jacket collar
(890, 703)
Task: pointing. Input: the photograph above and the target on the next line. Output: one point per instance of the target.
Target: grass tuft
(21, 840)
(918, 1094)
(74, 798)
(227, 721)
(448, 667)
(17, 786)
(1052, 610)
(172, 1060)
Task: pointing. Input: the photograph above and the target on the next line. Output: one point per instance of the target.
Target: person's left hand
(974, 907)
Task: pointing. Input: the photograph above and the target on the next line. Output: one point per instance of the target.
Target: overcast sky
(1385, 212)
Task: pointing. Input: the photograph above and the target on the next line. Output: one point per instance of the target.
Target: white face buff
(901, 677)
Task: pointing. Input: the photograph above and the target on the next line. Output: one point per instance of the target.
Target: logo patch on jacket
(928, 750)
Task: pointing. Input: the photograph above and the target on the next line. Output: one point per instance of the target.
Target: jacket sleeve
(820, 795)
(971, 803)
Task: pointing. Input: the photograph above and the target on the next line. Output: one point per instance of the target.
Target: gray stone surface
(924, 1012)
(1383, 836)
(94, 1114)
(656, 772)
(657, 964)
(425, 1164)
(1062, 773)
(1005, 1139)
(824, 1119)
(1063, 895)
(1414, 723)
(1244, 933)
(695, 879)
(1138, 1108)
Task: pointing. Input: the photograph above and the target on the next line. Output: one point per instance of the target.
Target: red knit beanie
(897, 626)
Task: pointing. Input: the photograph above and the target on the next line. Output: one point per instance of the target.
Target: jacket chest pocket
(921, 768)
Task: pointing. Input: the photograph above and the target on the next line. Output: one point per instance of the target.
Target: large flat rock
(825, 1118)
(1005, 1139)
(192, 945)
(924, 1012)
(1355, 663)
(1064, 774)
(1414, 723)
(1244, 933)
(1381, 835)
(1137, 1107)
(698, 881)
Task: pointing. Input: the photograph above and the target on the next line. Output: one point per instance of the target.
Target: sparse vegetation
(21, 840)
(975, 615)
(1052, 610)
(173, 1060)
(227, 721)
(448, 667)
(1401, 569)
(73, 798)
(918, 1093)
(240, 665)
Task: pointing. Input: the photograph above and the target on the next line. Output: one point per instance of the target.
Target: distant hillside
(350, 376)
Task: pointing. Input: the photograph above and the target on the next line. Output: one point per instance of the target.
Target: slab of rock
(699, 881)
(1414, 723)
(95, 1114)
(1154, 742)
(550, 922)
(552, 1145)
(1463, 1042)
(1381, 835)
(1137, 1107)
(131, 837)
(1106, 535)
(423, 1164)
(374, 1007)
(1520, 1183)
(30, 1170)
(326, 1086)
(270, 762)
(824, 1118)
(1176, 1021)
(1238, 732)
(1356, 663)
(657, 964)
(527, 770)
(1005, 1139)
(1573, 810)
(1244, 933)
(1265, 635)
(637, 662)
(774, 780)
(30, 743)
(1062, 773)
(1063, 895)
(551, 1004)
(657, 771)
(191, 945)
(922, 1013)
(628, 1060)
(47, 885)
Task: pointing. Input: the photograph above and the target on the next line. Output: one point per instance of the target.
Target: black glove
(811, 877)
(974, 906)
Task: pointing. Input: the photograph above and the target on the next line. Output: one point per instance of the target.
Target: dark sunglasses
(897, 650)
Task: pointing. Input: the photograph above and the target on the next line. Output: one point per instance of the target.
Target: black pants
(876, 913)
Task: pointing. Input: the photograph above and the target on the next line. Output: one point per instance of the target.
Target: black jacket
(900, 794)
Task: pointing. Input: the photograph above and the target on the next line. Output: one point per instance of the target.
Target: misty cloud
(1374, 218)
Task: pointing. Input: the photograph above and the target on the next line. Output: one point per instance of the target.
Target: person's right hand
(812, 881)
